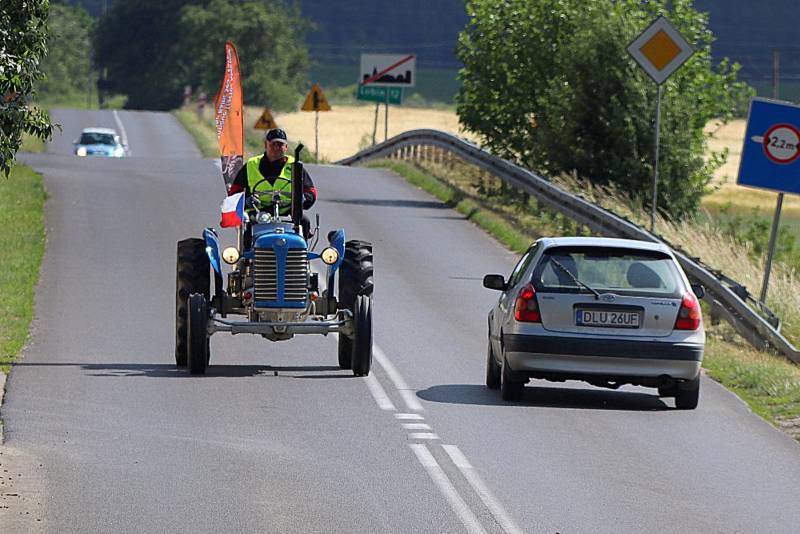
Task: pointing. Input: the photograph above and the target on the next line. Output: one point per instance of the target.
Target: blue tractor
(271, 288)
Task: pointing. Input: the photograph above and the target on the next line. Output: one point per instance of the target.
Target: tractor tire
(193, 276)
(198, 338)
(362, 340)
(355, 273)
(355, 278)
(345, 352)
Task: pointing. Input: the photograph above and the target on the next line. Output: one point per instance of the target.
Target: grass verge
(767, 382)
(202, 132)
(22, 241)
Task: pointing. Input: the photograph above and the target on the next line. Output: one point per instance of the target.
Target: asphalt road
(277, 439)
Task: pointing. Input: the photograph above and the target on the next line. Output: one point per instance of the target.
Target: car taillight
(526, 309)
(689, 315)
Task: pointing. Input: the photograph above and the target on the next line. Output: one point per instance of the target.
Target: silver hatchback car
(605, 311)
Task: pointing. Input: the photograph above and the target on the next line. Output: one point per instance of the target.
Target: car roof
(99, 130)
(610, 242)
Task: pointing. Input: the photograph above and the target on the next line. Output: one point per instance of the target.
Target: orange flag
(229, 117)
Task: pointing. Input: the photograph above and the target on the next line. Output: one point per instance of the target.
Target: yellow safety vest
(254, 176)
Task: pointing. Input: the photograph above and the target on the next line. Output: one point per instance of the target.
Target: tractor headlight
(329, 255)
(81, 151)
(263, 217)
(230, 255)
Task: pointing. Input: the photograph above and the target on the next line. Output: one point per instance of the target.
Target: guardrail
(727, 297)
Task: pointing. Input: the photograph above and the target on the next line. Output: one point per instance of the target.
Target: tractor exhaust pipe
(297, 188)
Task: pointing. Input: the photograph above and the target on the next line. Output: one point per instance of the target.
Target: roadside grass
(22, 241)
(31, 143)
(766, 381)
(201, 130)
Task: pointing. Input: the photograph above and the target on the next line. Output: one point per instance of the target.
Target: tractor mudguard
(212, 249)
(336, 239)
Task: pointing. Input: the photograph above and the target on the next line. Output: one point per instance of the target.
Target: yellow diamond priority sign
(660, 50)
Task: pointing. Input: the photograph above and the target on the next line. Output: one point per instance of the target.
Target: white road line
(409, 416)
(416, 426)
(446, 488)
(494, 506)
(397, 379)
(123, 134)
(380, 396)
(422, 435)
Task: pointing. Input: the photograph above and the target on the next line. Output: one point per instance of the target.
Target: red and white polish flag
(232, 211)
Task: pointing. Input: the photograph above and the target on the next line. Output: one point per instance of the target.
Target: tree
(67, 66)
(152, 48)
(135, 47)
(550, 84)
(269, 37)
(23, 43)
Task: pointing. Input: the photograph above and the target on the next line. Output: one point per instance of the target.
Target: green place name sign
(379, 94)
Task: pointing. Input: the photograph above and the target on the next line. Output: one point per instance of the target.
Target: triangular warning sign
(315, 100)
(265, 121)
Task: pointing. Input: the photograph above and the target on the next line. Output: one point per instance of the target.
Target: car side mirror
(699, 291)
(494, 281)
(74, 141)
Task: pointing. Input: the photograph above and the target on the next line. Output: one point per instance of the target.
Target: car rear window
(617, 270)
(95, 138)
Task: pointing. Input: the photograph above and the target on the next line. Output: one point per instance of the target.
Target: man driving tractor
(274, 163)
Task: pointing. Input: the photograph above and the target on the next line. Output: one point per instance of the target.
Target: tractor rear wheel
(198, 338)
(355, 273)
(193, 276)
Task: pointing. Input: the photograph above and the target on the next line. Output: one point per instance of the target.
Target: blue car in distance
(100, 142)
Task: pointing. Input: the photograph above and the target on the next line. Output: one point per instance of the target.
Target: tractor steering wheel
(265, 197)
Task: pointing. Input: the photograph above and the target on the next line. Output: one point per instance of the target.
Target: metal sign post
(660, 50)
(773, 237)
(655, 160)
(771, 160)
(386, 119)
(316, 102)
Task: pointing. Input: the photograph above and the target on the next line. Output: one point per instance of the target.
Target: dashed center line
(383, 400)
(480, 488)
(413, 421)
(397, 379)
(422, 435)
(439, 477)
(408, 416)
(416, 426)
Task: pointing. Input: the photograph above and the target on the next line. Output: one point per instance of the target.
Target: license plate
(607, 318)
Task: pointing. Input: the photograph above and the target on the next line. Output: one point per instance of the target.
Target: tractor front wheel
(193, 276)
(198, 338)
(362, 338)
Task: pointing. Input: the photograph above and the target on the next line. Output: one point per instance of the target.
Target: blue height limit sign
(771, 150)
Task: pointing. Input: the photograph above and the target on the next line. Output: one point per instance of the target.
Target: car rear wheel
(492, 369)
(511, 386)
(687, 394)
(668, 390)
